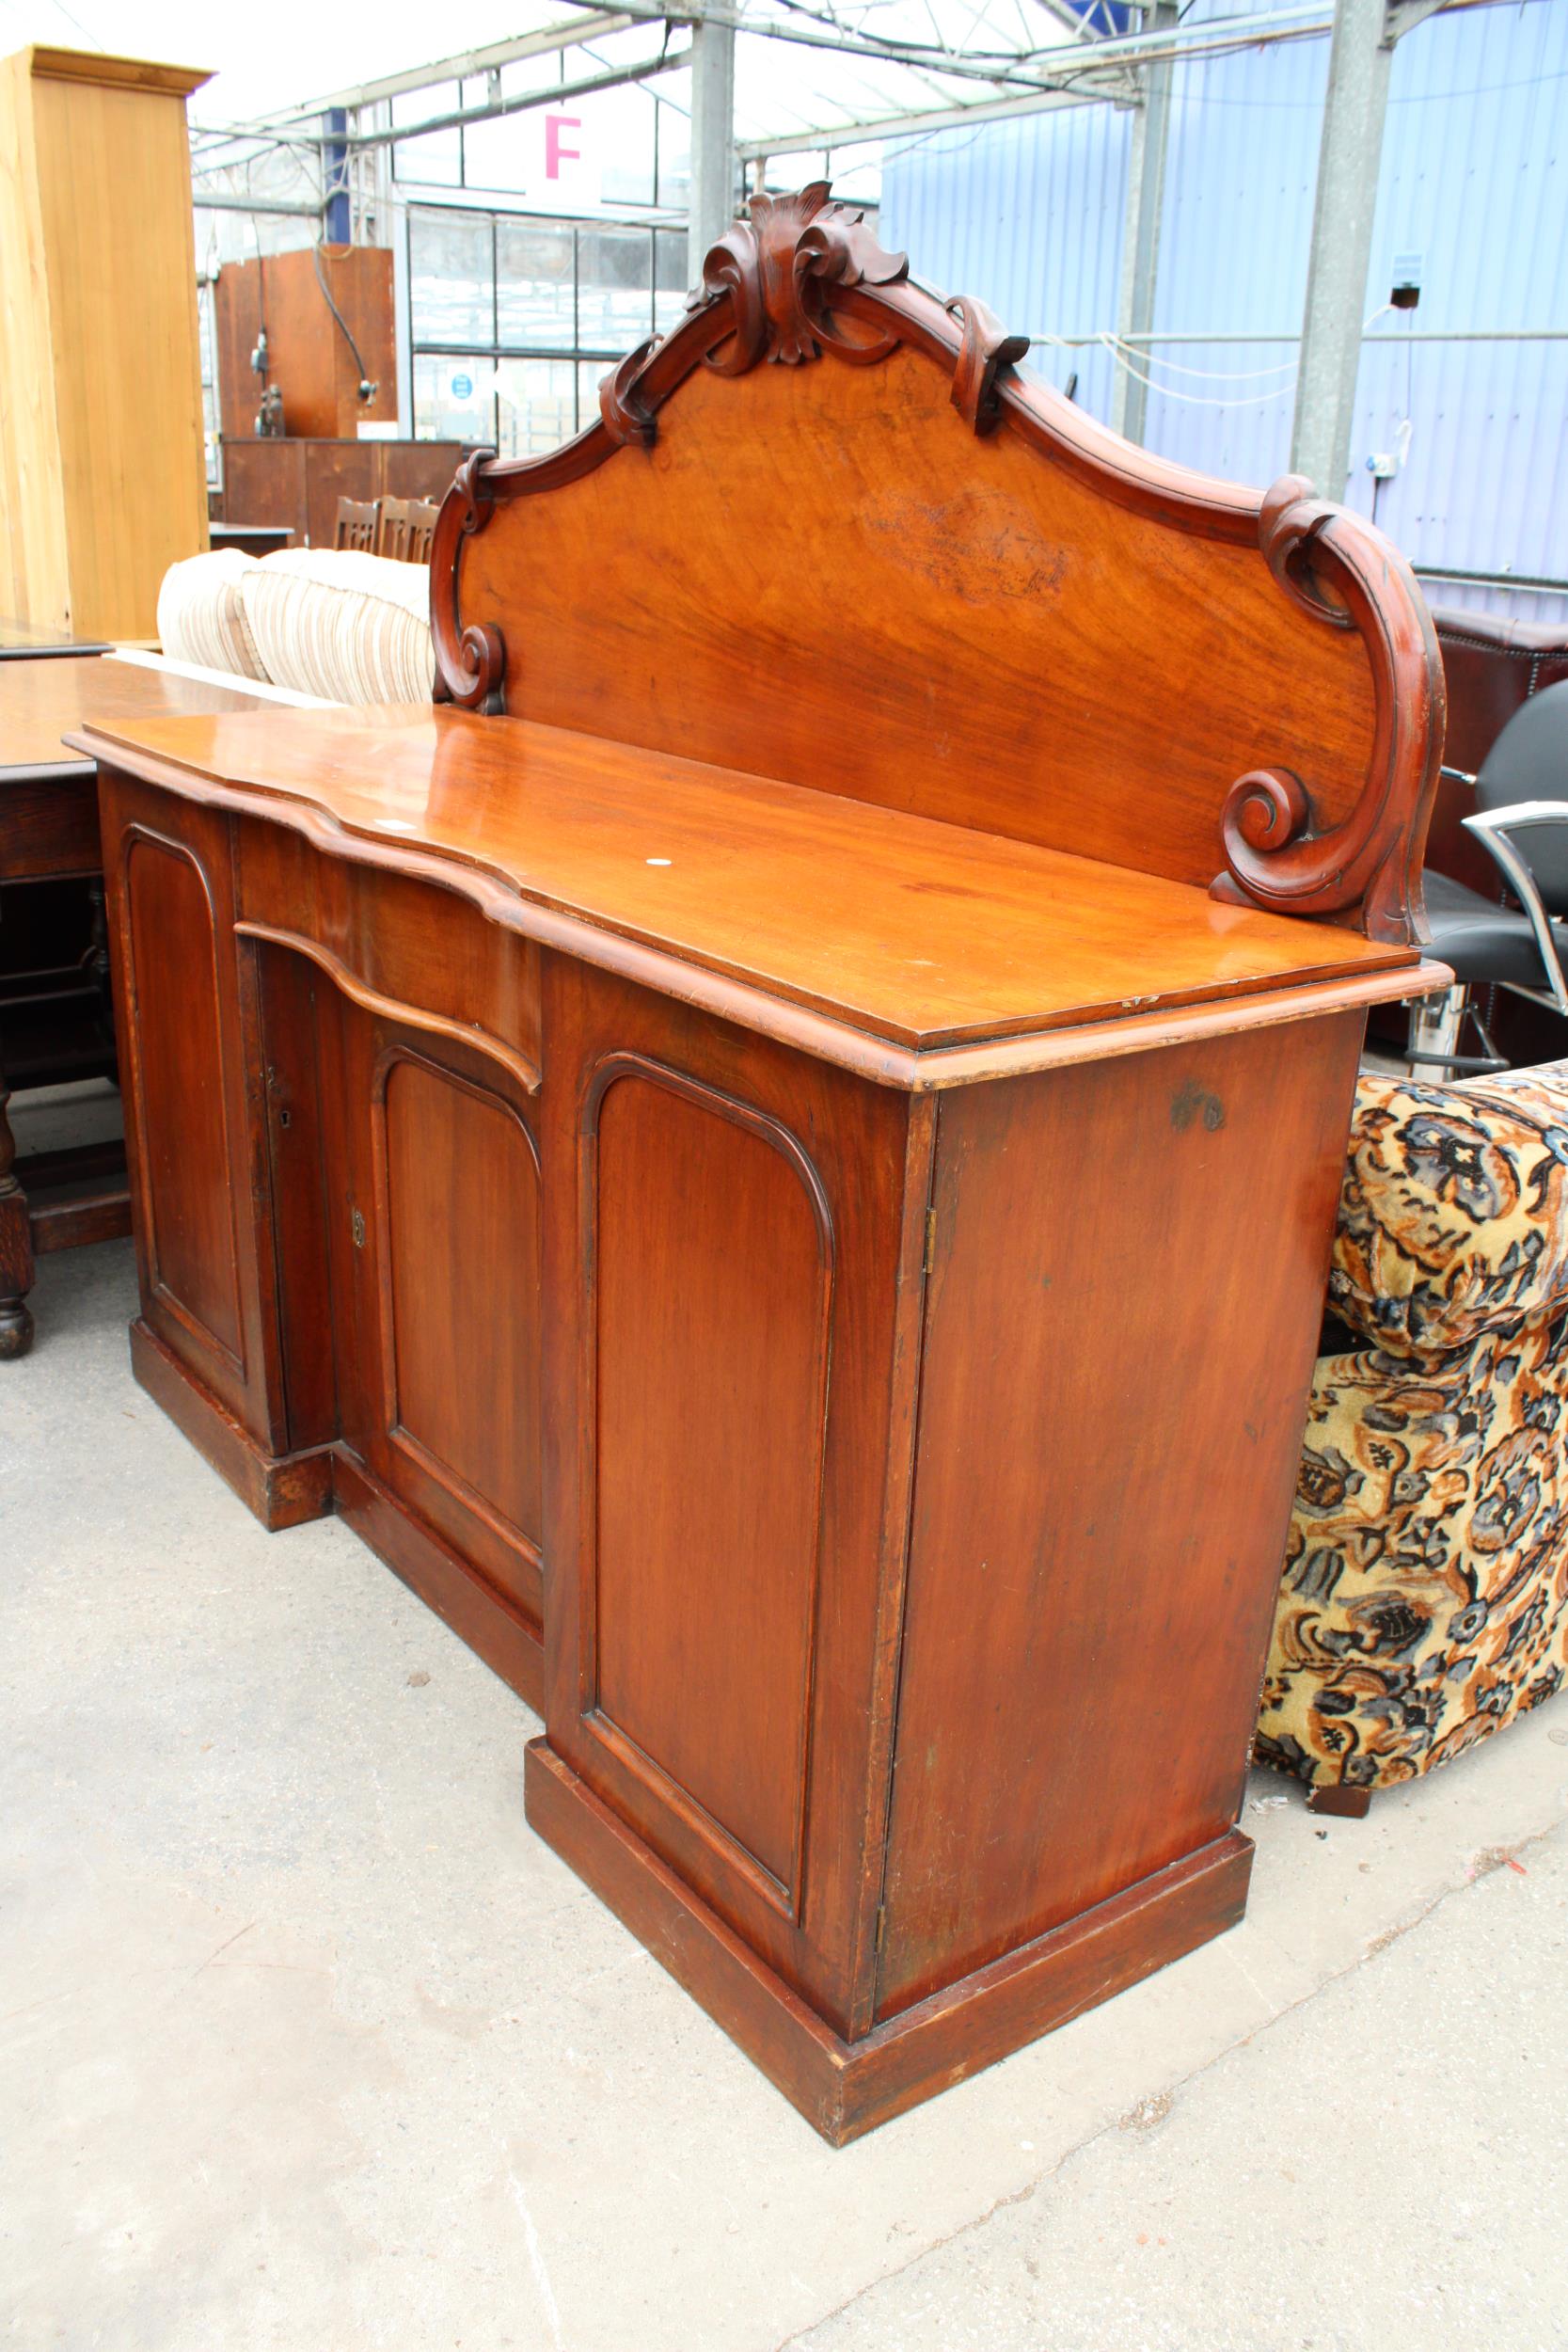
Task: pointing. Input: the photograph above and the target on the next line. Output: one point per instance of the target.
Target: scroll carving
(470, 663)
(986, 348)
(1337, 570)
(802, 278)
(627, 417)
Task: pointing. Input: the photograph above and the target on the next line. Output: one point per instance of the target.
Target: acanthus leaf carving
(773, 267)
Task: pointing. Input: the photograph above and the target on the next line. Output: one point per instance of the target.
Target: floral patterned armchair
(1425, 1592)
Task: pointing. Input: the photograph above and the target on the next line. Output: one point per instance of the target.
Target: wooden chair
(407, 526)
(357, 524)
(392, 536)
(422, 528)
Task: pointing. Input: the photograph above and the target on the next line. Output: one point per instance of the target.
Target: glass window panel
(669, 282)
(450, 287)
(591, 374)
(435, 161)
(615, 296)
(536, 406)
(618, 129)
(501, 155)
(454, 400)
(534, 286)
(411, 106)
(674, 141)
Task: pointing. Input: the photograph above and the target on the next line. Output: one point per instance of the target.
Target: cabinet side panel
(35, 583)
(115, 193)
(714, 1283)
(1129, 1275)
(178, 1063)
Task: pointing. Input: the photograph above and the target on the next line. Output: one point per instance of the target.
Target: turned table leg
(16, 1246)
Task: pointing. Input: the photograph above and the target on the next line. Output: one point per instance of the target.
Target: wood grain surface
(919, 932)
(917, 576)
(42, 702)
(102, 480)
(957, 628)
(1110, 1432)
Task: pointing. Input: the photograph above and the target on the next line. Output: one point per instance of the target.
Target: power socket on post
(1383, 466)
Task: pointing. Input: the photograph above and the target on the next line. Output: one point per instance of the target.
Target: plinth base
(842, 2087)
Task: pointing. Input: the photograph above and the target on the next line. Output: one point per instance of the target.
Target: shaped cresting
(1272, 735)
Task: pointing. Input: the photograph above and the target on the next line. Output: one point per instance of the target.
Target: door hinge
(881, 1925)
(357, 1227)
(929, 1262)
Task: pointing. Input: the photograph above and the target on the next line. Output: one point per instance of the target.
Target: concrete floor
(310, 2046)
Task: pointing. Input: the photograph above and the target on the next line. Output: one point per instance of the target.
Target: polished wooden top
(918, 932)
(43, 700)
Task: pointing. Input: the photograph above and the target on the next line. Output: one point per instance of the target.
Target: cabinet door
(732, 1238)
(197, 1151)
(437, 1208)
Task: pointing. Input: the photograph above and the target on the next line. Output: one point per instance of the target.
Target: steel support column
(713, 158)
(1140, 235)
(1349, 157)
(340, 227)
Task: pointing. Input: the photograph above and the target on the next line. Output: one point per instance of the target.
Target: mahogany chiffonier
(775, 1154)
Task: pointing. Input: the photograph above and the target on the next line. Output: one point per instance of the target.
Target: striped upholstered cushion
(201, 613)
(352, 628)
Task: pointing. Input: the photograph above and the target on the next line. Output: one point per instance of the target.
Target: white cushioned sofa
(328, 622)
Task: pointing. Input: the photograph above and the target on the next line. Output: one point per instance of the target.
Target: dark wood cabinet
(785, 1184)
(294, 485)
(310, 360)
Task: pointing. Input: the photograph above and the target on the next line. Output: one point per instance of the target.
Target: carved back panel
(825, 532)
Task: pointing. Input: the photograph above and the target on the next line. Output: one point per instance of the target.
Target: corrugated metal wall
(970, 210)
(1237, 230)
(1028, 214)
(1474, 176)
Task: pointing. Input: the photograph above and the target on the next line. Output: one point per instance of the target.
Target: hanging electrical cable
(368, 389)
(1190, 400)
(1220, 376)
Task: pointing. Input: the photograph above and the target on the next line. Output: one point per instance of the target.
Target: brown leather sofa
(1491, 667)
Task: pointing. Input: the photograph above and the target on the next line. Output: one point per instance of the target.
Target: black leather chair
(1521, 818)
